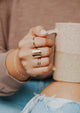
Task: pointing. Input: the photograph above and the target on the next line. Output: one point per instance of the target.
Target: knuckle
(40, 27)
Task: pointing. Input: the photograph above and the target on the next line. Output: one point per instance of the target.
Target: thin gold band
(39, 62)
(34, 42)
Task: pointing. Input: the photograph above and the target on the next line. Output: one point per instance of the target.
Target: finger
(43, 42)
(27, 40)
(42, 70)
(42, 52)
(38, 31)
(41, 62)
(25, 53)
(28, 53)
(46, 51)
(37, 42)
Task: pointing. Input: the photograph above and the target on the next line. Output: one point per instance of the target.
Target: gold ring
(36, 53)
(34, 42)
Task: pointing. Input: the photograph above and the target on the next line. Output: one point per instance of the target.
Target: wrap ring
(36, 53)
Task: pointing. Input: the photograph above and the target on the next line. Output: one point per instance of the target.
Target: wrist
(14, 66)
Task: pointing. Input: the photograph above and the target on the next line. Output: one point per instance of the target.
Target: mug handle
(53, 31)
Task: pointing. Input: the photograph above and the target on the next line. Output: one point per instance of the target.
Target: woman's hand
(36, 66)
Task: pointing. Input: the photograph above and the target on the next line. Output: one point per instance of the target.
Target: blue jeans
(16, 102)
(42, 104)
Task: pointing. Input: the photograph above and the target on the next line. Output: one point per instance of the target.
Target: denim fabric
(16, 102)
(42, 104)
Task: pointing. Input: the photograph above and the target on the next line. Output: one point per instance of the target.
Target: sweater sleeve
(8, 85)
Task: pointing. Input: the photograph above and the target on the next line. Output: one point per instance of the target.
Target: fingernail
(43, 32)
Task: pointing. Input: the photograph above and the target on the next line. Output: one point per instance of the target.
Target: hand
(26, 47)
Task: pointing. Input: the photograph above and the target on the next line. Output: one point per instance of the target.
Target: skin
(26, 64)
(25, 52)
(65, 90)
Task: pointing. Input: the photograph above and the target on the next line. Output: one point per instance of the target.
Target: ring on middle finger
(36, 53)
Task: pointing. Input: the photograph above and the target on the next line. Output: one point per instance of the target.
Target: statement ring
(36, 53)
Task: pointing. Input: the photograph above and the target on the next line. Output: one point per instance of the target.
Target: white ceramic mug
(67, 52)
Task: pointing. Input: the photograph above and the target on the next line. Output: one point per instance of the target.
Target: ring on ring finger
(41, 62)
